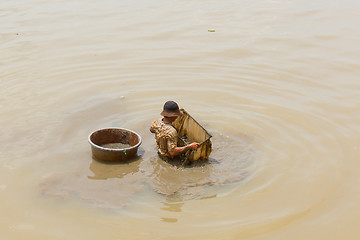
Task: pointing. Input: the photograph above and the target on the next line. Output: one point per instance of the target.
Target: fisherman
(166, 135)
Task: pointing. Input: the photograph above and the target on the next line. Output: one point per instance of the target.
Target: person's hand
(194, 145)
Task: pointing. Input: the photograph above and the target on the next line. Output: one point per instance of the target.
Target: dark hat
(171, 109)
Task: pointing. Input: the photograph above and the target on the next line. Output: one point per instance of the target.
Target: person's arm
(179, 150)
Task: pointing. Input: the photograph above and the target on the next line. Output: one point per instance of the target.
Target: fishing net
(189, 130)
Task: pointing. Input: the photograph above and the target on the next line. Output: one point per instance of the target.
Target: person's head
(171, 111)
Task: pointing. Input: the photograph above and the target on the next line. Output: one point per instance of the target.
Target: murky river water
(276, 85)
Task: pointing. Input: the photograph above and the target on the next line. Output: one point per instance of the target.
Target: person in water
(166, 135)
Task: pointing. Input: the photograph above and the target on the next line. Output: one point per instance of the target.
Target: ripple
(280, 100)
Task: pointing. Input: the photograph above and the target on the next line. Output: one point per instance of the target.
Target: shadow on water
(230, 163)
(101, 185)
(111, 185)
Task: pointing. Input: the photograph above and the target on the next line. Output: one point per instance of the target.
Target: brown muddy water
(116, 145)
(276, 84)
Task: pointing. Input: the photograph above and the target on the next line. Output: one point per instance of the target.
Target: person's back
(166, 135)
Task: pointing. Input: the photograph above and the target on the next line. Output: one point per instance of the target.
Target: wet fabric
(166, 137)
(189, 130)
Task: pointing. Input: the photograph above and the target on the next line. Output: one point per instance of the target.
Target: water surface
(276, 85)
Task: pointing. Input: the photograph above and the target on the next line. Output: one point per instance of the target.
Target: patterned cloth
(166, 137)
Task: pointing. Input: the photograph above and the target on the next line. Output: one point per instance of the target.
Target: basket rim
(114, 128)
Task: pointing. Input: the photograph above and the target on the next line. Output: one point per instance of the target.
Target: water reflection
(169, 220)
(168, 179)
(104, 171)
(231, 162)
(172, 207)
(111, 185)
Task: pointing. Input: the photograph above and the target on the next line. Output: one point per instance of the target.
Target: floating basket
(104, 136)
